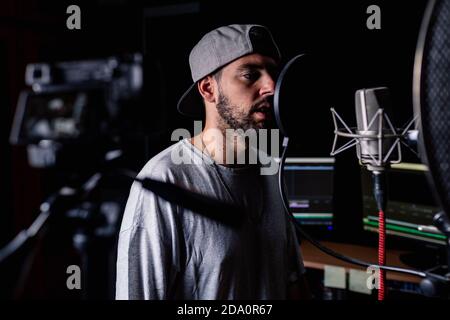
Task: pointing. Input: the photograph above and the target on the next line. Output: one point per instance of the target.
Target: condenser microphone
(377, 141)
(375, 135)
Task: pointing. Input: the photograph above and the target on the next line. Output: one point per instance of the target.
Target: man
(168, 252)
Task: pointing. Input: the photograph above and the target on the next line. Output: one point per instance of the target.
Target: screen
(309, 183)
(410, 204)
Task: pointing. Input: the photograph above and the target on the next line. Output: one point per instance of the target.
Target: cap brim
(190, 103)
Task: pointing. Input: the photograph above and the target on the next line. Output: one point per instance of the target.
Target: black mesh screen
(435, 100)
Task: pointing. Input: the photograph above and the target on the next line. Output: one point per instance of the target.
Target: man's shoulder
(168, 164)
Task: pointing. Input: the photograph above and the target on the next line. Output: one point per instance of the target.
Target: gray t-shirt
(168, 252)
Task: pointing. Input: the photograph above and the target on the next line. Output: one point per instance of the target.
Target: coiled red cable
(381, 253)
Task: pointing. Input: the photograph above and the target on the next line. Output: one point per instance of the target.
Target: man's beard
(234, 118)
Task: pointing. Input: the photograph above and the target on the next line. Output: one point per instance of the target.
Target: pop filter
(431, 97)
(300, 100)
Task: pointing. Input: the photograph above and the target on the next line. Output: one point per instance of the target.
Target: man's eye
(251, 75)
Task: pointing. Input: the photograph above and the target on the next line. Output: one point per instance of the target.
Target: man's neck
(228, 150)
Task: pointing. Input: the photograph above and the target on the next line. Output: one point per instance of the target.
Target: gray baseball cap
(217, 49)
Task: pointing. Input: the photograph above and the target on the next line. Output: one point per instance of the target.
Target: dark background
(164, 32)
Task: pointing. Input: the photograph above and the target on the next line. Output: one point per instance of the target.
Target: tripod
(93, 228)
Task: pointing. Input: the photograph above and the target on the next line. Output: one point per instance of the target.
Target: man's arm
(148, 257)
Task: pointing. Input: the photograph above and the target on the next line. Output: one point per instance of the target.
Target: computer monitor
(309, 183)
(410, 204)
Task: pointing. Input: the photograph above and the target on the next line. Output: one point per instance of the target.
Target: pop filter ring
(276, 98)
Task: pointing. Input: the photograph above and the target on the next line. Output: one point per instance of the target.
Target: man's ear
(206, 88)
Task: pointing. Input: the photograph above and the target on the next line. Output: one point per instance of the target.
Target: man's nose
(268, 85)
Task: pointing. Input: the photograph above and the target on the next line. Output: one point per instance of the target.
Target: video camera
(77, 110)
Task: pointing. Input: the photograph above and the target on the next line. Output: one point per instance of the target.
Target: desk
(316, 259)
